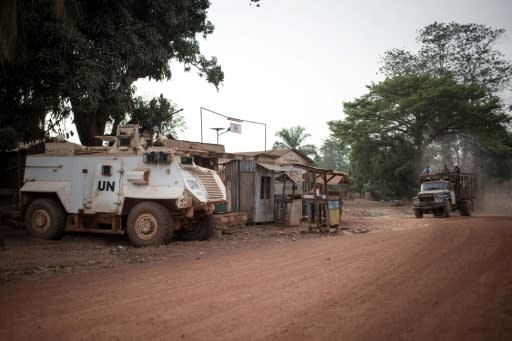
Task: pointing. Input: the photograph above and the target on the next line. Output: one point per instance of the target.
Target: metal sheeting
(263, 207)
(294, 174)
(337, 179)
(232, 183)
(241, 189)
(271, 167)
(246, 166)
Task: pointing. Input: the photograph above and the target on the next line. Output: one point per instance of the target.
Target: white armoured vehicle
(149, 192)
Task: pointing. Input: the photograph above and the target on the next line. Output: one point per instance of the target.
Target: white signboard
(235, 127)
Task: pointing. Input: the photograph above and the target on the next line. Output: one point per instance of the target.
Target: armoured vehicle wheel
(447, 209)
(197, 229)
(418, 213)
(45, 218)
(149, 223)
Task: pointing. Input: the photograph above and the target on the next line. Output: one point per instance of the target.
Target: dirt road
(408, 279)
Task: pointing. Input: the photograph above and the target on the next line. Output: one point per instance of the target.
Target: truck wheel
(45, 218)
(447, 209)
(418, 213)
(464, 208)
(149, 223)
(470, 206)
(197, 229)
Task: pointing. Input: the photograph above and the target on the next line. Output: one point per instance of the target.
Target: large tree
(392, 125)
(467, 52)
(87, 59)
(158, 112)
(440, 104)
(333, 155)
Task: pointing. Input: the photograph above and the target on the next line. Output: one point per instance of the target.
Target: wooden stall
(322, 198)
(287, 206)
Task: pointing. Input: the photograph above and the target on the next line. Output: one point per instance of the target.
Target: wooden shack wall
(263, 208)
(239, 182)
(243, 184)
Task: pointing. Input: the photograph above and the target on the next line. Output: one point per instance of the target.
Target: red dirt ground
(406, 279)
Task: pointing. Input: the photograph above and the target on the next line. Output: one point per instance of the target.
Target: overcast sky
(295, 62)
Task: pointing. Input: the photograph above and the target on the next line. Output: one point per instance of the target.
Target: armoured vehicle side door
(106, 186)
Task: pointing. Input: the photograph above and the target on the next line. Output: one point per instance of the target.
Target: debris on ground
(24, 257)
(359, 230)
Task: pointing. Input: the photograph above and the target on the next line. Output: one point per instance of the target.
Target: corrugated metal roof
(276, 153)
(247, 166)
(271, 167)
(337, 179)
(285, 170)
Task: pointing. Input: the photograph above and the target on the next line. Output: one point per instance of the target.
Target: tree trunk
(419, 162)
(91, 121)
(447, 150)
(88, 125)
(115, 124)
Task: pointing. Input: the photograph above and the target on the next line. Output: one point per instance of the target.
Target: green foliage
(8, 138)
(464, 51)
(293, 138)
(157, 112)
(85, 56)
(439, 105)
(383, 167)
(389, 128)
(333, 155)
